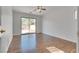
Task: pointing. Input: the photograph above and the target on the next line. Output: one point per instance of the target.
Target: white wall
(0, 15)
(6, 22)
(78, 30)
(17, 22)
(0, 25)
(60, 22)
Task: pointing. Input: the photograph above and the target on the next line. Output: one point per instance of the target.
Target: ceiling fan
(39, 9)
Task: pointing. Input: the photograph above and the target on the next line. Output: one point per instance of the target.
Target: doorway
(28, 25)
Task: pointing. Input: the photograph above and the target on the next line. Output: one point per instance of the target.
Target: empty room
(38, 29)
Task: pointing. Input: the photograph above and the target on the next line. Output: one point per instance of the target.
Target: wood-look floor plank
(37, 43)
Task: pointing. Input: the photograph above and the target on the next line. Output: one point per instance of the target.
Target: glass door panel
(32, 25)
(28, 25)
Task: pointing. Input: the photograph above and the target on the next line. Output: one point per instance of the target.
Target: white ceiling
(28, 9)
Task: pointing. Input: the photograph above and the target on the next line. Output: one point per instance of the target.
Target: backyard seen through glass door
(28, 25)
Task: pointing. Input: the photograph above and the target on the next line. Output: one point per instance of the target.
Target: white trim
(61, 37)
(16, 34)
(9, 43)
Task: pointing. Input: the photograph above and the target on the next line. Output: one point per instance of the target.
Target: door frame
(35, 25)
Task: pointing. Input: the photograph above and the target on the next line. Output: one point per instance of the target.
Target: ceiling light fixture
(38, 9)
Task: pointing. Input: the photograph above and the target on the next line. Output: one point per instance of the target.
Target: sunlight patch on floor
(54, 50)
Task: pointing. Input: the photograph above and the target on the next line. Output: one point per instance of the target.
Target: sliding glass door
(28, 25)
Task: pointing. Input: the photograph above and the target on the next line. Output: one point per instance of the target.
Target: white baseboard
(16, 34)
(61, 37)
(9, 43)
(20, 34)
